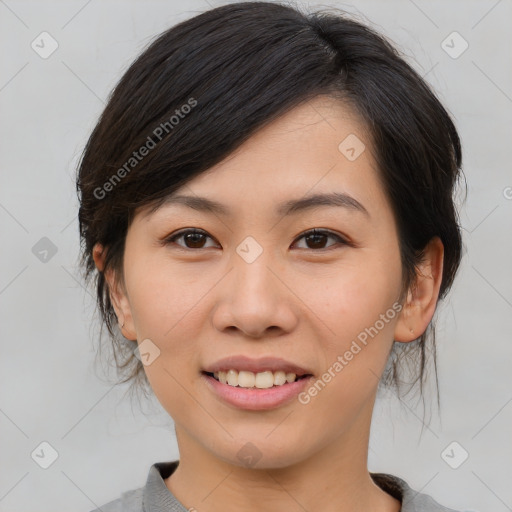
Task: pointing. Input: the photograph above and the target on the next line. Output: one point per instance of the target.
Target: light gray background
(49, 389)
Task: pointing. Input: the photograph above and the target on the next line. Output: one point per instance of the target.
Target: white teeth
(232, 376)
(246, 379)
(261, 380)
(279, 378)
(290, 377)
(264, 380)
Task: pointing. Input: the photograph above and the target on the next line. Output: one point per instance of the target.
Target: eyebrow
(333, 199)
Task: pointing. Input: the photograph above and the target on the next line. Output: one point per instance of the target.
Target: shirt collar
(158, 498)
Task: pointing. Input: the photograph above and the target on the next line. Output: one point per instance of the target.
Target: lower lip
(255, 399)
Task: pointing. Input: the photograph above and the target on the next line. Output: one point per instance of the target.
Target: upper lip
(262, 364)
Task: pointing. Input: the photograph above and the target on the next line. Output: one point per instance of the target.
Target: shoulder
(412, 501)
(130, 501)
(154, 495)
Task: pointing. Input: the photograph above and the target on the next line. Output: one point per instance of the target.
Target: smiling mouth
(260, 380)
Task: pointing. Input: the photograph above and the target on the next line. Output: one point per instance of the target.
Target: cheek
(353, 297)
(357, 306)
(165, 303)
(164, 297)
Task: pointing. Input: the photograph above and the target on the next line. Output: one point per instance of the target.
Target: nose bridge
(253, 299)
(253, 284)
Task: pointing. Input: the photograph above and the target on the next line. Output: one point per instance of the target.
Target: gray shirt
(156, 497)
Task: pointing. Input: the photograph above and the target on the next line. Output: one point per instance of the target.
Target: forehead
(319, 147)
(320, 122)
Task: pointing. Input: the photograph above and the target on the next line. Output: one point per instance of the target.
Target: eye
(193, 238)
(317, 238)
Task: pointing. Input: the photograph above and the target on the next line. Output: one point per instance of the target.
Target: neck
(335, 478)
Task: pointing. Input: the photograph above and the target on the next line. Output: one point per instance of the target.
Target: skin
(298, 300)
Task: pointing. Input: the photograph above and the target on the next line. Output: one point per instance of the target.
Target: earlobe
(98, 256)
(121, 305)
(117, 295)
(420, 305)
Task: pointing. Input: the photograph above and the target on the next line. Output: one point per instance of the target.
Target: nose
(255, 300)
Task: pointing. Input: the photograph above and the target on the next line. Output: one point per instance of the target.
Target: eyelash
(175, 236)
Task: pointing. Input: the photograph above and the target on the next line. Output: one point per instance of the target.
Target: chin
(261, 453)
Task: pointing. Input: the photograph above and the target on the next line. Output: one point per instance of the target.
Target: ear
(422, 296)
(117, 294)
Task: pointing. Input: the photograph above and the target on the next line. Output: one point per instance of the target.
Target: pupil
(315, 237)
(194, 238)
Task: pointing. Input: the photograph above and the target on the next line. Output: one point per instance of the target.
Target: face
(253, 282)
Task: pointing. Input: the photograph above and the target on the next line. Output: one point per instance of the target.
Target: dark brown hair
(204, 86)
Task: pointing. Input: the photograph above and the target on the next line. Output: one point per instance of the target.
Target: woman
(267, 199)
